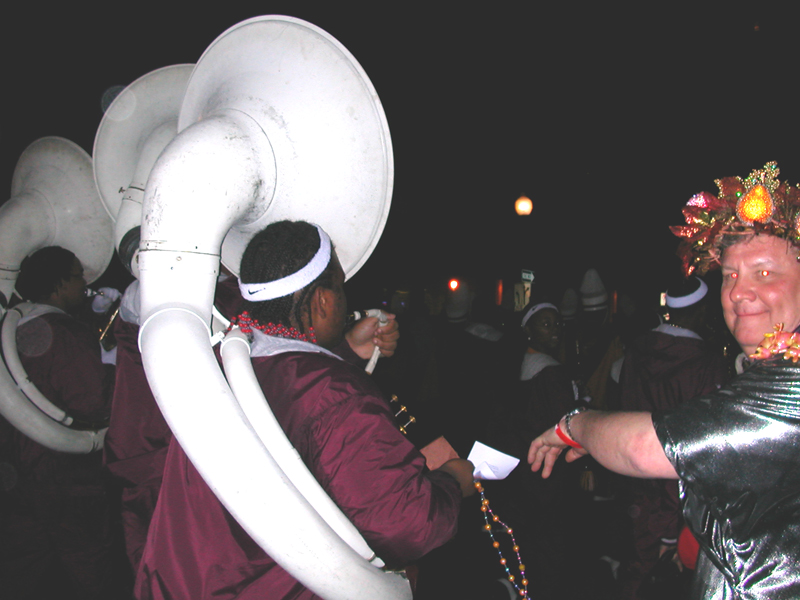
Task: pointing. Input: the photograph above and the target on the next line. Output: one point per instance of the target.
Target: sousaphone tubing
(279, 121)
(135, 129)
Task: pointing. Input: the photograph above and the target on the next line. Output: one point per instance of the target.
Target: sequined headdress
(758, 204)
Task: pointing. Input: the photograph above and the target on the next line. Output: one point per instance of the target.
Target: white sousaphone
(54, 202)
(279, 121)
(135, 129)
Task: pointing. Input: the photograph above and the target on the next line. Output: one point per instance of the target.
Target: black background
(609, 117)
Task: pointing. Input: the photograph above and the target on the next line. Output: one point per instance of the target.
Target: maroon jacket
(661, 371)
(58, 511)
(138, 436)
(136, 444)
(336, 418)
(62, 358)
(137, 439)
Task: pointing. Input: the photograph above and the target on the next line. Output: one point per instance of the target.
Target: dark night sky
(608, 118)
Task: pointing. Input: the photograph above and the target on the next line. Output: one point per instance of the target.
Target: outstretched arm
(623, 442)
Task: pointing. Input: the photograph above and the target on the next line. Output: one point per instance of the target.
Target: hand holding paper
(491, 464)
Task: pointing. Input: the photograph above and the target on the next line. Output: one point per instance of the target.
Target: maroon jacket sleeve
(379, 479)
(138, 436)
(344, 431)
(345, 352)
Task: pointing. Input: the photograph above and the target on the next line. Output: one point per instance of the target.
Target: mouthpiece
(357, 315)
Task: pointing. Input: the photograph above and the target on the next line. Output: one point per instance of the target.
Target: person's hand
(368, 334)
(108, 357)
(104, 299)
(438, 452)
(387, 336)
(545, 450)
(462, 470)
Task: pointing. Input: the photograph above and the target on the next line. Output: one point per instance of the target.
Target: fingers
(574, 454)
(533, 453)
(549, 461)
(544, 452)
(386, 336)
(541, 456)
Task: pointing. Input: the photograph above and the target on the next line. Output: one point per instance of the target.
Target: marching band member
(333, 414)
(58, 514)
(138, 437)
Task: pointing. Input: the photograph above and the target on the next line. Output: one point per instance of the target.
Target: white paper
(490, 463)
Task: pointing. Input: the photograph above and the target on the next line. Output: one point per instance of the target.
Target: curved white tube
(235, 351)
(219, 326)
(11, 356)
(376, 353)
(213, 165)
(26, 222)
(130, 209)
(18, 410)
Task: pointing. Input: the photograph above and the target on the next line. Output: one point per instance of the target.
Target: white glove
(129, 307)
(108, 357)
(106, 297)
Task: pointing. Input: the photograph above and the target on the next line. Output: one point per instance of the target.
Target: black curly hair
(43, 271)
(279, 250)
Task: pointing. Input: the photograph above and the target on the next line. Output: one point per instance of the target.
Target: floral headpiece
(758, 204)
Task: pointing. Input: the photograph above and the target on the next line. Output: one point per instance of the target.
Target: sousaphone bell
(54, 202)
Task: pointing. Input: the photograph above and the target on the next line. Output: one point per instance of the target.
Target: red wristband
(566, 439)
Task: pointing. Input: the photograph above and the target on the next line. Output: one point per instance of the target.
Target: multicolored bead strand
(246, 323)
(487, 512)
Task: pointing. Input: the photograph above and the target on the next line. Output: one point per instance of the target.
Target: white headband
(534, 309)
(695, 296)
(260, 292)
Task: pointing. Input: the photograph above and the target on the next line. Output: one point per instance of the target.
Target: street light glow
(523, 206)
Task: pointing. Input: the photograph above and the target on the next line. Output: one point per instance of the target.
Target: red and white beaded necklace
(247, 324)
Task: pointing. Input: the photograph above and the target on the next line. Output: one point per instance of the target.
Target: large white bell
(135, 129)
(321, 117)
(54, 202)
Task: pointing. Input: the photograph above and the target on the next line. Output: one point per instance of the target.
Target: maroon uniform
(136, 444)
(138, 436)
(56, 518)
(334, 415)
